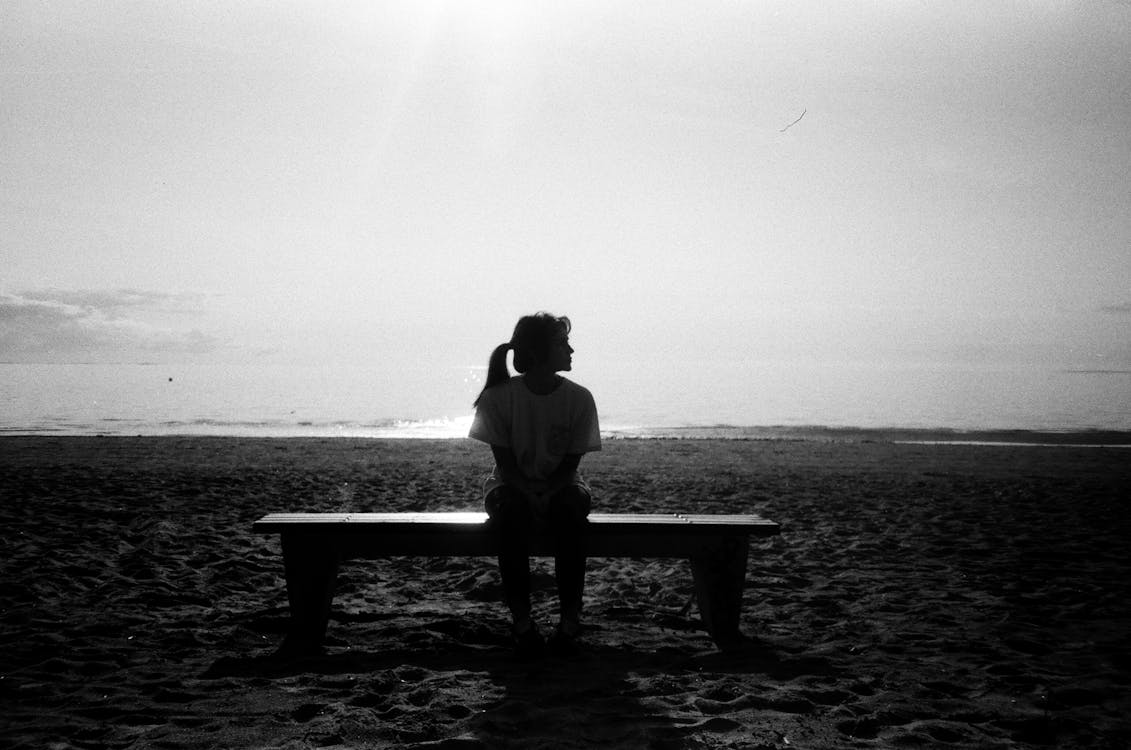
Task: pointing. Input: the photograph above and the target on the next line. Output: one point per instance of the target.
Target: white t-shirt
(539, 429)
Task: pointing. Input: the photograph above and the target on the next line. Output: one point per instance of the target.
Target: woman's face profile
(561, 353)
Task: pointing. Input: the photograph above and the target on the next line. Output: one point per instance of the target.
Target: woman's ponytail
(497, 371)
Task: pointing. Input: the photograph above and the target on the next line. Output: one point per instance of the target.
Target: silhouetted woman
(539, 425)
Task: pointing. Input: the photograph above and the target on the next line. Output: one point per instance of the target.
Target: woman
(539, 425)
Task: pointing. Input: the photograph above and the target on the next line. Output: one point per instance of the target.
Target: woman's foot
(528, 642)
(564, 640)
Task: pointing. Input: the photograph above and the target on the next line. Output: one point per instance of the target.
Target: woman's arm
(509, 472)
(513, 476)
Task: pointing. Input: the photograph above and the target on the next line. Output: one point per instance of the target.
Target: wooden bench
(314, 544)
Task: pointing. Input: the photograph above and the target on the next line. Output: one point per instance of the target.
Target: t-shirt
(540, 429)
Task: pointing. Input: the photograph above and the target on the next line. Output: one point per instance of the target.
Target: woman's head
(534, 341)
(534, 338)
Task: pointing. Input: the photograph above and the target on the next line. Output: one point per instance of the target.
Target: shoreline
(1069, 437)
(907, 435)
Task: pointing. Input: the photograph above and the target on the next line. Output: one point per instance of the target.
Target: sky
(721, 182)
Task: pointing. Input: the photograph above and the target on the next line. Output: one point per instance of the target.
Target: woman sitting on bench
(539, 425)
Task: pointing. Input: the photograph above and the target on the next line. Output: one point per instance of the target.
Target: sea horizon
(772, 401)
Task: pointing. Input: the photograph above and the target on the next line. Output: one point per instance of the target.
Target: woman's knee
(507, 506)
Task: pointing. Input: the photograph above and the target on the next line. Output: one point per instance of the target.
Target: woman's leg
(510, 515)
(569, 510)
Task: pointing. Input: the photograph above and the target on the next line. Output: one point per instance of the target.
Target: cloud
(111, 302)
(90, 325)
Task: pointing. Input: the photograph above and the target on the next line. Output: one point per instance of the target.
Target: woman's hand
(512, 476)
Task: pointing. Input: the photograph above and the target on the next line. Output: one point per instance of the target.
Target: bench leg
(311, 567)
(719, 571)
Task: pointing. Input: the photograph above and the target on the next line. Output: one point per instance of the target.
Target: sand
(918, 596)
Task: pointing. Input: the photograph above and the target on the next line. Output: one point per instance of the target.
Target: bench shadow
(594, 698)
(585, 697)
(761, 657)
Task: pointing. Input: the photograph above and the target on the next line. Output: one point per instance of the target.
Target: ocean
(725, 400)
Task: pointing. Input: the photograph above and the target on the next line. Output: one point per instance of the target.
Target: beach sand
(918, 596)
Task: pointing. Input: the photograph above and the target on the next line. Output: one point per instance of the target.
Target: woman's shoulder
(575, 388)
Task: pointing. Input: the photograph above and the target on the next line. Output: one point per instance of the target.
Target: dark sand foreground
(919, 596)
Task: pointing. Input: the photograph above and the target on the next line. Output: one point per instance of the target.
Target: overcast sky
(303, 181)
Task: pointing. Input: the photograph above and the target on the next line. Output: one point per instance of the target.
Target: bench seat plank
(467, 534)
(379, 523)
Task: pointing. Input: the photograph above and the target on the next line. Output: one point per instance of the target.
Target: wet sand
(918, 596)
